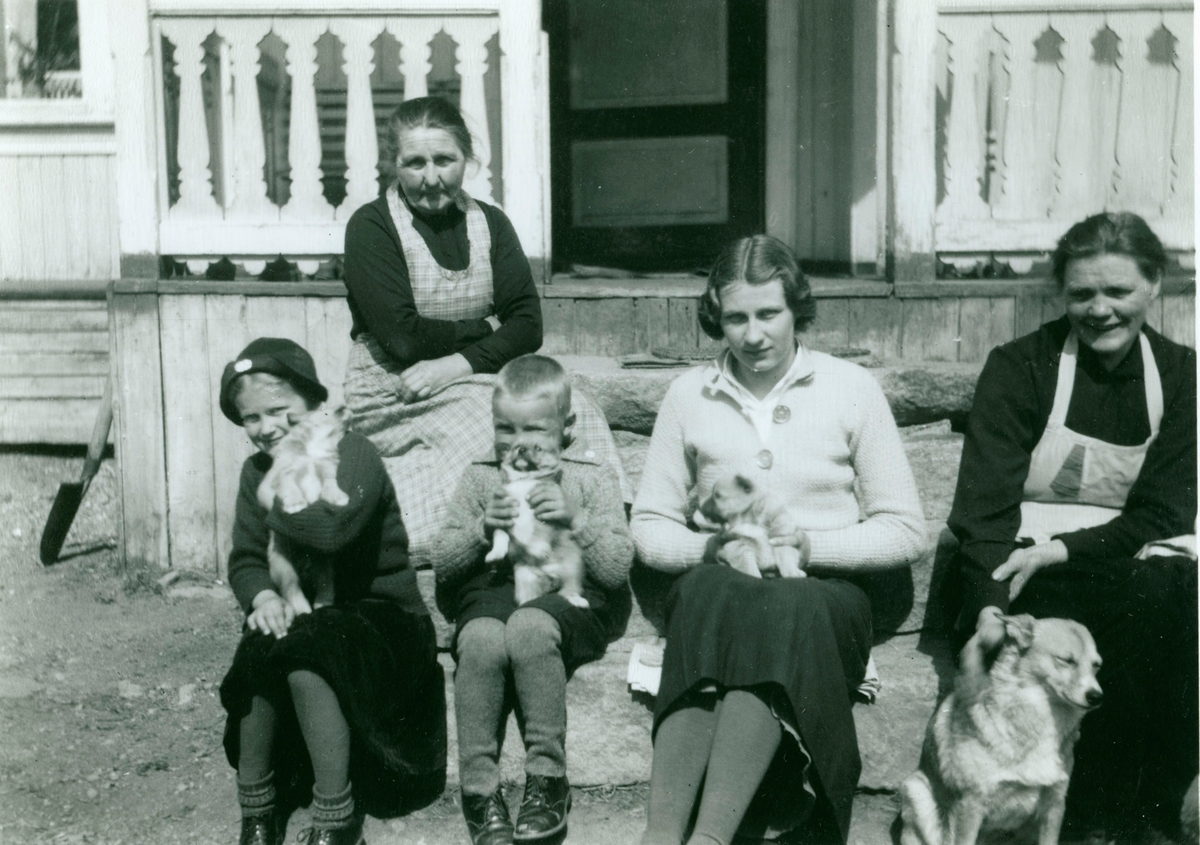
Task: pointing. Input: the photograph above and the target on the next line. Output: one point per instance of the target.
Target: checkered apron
(427, 445)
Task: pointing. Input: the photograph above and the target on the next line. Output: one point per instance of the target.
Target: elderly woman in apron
(1077, 498)
(441, 297)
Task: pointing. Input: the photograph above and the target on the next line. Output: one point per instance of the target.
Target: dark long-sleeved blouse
(381, 299)
(365, 538)
(1012, 405)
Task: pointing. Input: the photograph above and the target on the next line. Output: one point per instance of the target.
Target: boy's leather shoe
(267, 829)
(544, 808)
(351, 834)
(488, 821)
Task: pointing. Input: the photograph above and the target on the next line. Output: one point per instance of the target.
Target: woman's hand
(792, 548)
(271, 614)
(501, 512)
(424, 378)
(1023, 563)
(550, 504)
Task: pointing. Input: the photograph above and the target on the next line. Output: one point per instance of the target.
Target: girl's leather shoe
(351, 834)
(268, 829)
(488, 821)
(544, 808)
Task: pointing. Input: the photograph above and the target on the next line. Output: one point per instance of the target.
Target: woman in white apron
(442, 297)
(1077, 498)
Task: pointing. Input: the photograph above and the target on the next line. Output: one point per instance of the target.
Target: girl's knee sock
(479, 689)
(534, 643)
(325, 731)
(681, 749)
(744, 743)
(256, 738)
(257, 798)
(331, 811)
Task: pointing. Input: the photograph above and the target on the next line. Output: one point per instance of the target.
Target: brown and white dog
(303, 471)
(1000, 748)
(750, 519)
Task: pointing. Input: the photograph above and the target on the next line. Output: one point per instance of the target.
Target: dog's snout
(1094, 697)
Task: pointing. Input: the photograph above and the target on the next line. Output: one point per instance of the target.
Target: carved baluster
(362, 147)
(472, 35)
(1179, 209)
(249, 153)
(195, 178)
(965, 135)
(1148, 105)
(414, 35)
(307, 202)
(1080, 188)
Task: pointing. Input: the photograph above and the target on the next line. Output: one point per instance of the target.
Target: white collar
(718, 375)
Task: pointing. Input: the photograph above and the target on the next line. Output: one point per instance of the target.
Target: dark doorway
(657, 116)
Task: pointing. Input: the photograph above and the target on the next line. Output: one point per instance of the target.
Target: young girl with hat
(343, 706)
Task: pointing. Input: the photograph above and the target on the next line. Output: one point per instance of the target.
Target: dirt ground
(110, 725)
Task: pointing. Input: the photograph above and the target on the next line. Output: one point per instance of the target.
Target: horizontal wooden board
(54, 363)
(51, 387)
(87, 319)
(60, 342)
(48, 420)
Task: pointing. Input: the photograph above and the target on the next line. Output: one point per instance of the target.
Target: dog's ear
(1019, 629)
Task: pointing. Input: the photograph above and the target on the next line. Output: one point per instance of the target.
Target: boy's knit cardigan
(586, 483)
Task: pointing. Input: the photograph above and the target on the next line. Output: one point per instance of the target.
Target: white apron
(1075, 481)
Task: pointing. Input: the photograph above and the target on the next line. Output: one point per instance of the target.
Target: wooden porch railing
(1049, 111)
(218, 196)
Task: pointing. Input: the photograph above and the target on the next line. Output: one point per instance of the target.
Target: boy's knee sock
(325, 731)
(534, 643)
(479, 687)
(256, 738)
(681, 748)
(257, 797)
(331, 811)
(744, 744)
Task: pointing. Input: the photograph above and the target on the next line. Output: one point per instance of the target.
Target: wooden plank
(54, 232)
(102, 223)
(55, 421)
(1179, 319)
(274, 316)
(1053, 307)
(984, 324)
(50, 387)
(327, 324)
(75, 218)
(1154, 314)
(681, 286)
(1027, 315)
(29, 221)
(604, 326)
(913, 172)
(783, 71)
(875, 324)
(25, 305)
(930, 331)
(682, 328)
(558, 327)
(11, 236)
(52, 341)
(807, 118)
(831, 329)
(86, 319)
(650, 324)
(140, 451)
(55, 363)
(188, 396)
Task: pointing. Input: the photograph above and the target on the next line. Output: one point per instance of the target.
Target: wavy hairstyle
(756, 260)
(1111, 233)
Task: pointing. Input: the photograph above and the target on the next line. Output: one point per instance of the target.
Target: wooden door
(656, 129)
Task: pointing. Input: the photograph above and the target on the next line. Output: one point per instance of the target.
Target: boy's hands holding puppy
(552, 506)
(271, 614)
(501, 512)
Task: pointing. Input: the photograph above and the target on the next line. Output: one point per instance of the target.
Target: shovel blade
(62, 514)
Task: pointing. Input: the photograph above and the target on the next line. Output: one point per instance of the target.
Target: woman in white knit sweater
(758, 673)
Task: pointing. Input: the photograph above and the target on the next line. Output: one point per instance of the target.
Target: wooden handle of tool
(95, 452)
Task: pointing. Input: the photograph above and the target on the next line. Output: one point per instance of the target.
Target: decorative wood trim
(1033, 236)
(94, 139)
(687, 287)
(323, 8)
(975, 7)
(138, 134)
(1029, 286)
(524, 108)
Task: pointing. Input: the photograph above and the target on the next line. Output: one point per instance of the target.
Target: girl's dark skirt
(805, 642)
(381, 661)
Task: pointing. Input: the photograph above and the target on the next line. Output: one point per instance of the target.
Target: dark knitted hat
(279, 357)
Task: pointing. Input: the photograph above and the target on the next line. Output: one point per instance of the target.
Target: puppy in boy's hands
(756, 533)
(544, 554)
(304, 467)
(1000, 748)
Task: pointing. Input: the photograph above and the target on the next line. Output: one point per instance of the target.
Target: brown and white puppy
(750, 519)
(303, 471)
(1000, 748)
(545, 557)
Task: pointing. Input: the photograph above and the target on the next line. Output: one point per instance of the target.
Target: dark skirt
(381, 661)
(1137, 753)
(807, 640)
(586, 632)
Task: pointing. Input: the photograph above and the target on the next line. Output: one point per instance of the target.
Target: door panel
(656, 129)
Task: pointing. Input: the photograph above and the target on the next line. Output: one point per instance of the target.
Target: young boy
(534, 647)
